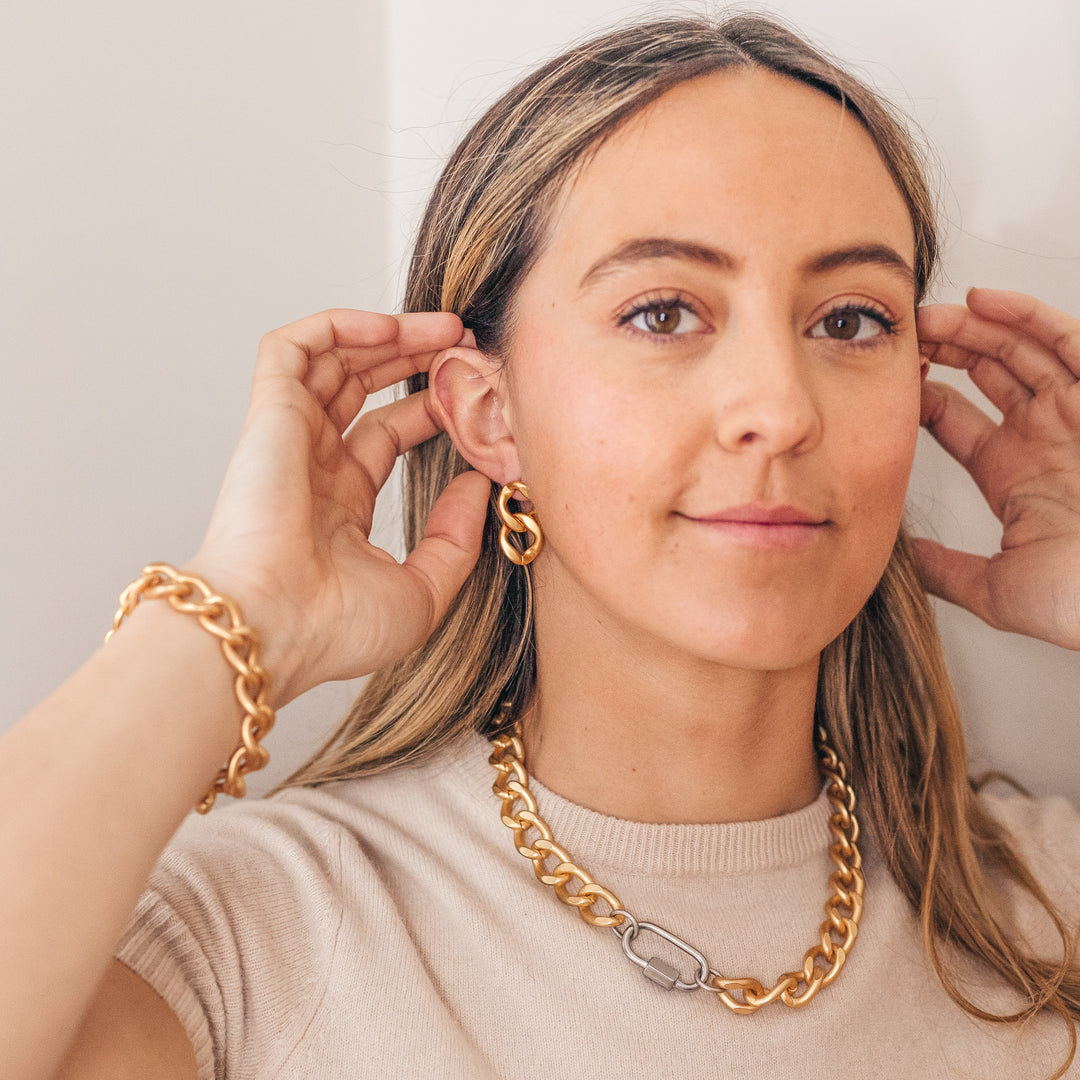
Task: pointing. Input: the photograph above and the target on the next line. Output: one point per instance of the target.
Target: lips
(763, 514)
(764, 526)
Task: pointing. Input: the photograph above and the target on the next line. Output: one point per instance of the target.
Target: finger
(963, 339)
(955, 576)
(1054, 329)
(382, 375)
(379, 366)
(288, 349)
(441, 562)
(1001, 387)
(345, 405)
(960, 426)
(429, 331)
(353, 341)
(381, 436)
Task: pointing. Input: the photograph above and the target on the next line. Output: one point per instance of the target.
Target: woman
(687, 261)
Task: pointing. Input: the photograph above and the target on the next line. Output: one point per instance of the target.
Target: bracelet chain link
(190, 595)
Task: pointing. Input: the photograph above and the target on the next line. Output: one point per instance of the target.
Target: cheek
(878, 458)
(877, 427)
(881, 467)
(583, 433)
(602, 467)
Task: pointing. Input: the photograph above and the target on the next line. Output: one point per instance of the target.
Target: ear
(467, 394)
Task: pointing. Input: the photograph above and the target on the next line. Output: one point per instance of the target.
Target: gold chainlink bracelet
(823, 960)
(240, 646)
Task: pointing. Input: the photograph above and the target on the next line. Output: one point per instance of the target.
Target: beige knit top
(387, 927)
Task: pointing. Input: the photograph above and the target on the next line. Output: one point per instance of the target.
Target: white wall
(177, 180)
(176, 184)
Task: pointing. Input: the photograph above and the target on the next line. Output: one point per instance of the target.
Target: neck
(644, 735)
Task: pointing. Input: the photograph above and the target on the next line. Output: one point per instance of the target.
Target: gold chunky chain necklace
(823, 960)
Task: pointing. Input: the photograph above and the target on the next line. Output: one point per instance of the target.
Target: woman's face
(714, 380)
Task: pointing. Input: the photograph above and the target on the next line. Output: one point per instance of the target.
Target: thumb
(956, 576)
(451, 544)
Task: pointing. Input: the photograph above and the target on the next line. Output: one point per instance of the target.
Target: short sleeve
(160, 947)
(237, 930)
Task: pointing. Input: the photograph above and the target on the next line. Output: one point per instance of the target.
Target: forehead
(748, 160)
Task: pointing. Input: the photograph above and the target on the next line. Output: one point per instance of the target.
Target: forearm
(93, 783)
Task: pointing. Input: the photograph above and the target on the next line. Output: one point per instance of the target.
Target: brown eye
(842, 325)
(663, 320)
(855, 323)
(664, 317)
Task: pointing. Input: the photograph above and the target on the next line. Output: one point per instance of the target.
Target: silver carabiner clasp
(655, 969)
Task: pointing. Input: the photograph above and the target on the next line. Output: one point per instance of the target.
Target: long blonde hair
(883, 694)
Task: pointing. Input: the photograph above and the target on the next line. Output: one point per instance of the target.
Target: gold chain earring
(518, 523)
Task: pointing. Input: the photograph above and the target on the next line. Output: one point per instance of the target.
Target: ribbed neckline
(634, 847)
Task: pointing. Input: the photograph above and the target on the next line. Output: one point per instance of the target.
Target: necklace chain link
(575, 888)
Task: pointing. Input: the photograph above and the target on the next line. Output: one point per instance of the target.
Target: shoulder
(1049, 824)
(1046, 832)
(302, 837)
(250, 909)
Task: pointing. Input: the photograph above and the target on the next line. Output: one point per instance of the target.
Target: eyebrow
(862, 255)
(660, 247)
(656, 247)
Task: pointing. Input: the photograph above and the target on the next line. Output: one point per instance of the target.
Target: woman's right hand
(288, 539)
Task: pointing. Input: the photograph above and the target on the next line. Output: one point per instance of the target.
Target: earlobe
(466, 392)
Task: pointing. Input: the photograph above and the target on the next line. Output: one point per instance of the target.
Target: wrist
(217, 615)
(262, 608)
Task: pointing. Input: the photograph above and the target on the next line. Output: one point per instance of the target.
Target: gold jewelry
(240, 646)
(823, 960)
(518, 523)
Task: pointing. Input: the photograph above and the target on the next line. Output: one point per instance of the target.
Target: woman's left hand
(1025, 357)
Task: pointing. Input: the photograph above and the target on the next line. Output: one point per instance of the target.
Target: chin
(781, 633)
(758, 649)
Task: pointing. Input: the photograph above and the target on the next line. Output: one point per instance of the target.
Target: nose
(767, 400)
